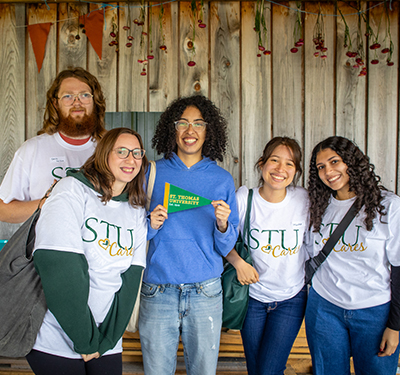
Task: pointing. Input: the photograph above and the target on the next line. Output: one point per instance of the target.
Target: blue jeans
(269, 331)
(192, 311)
(335, 334)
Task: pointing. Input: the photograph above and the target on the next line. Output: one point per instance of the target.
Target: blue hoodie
(188, 247)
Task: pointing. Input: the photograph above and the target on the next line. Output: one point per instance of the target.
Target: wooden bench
(231, 350)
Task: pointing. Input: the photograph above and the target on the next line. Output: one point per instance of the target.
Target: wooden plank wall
(281, 94)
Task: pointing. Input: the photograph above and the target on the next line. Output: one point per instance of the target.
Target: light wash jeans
(192, 311)
(334, 334)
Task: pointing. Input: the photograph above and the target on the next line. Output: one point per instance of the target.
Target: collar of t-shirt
(73, 141)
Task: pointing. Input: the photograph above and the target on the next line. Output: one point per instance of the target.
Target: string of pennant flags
(94, 22)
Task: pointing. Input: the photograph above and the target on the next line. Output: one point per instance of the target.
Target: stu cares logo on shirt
(276, 244)
(347, 242)
(103, 231)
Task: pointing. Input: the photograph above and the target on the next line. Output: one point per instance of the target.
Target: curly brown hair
(214, 147)
(97, 170)
(294, 149)
(362, 181)
(51, 118)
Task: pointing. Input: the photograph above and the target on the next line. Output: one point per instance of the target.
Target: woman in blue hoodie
(181, 292)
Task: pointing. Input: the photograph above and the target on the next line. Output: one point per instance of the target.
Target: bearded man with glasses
(73, 123)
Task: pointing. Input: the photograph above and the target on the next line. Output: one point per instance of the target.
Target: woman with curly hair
(353, 306)
(278, 223)
(90, 251)
(181, 291)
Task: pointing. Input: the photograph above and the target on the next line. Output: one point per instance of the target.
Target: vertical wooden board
(350, 87)
(225, 75)
(256, 96)
(38, 83)
(105, 69)
(163, 70)
(287, 75)
(319, 82)
(383, 99)
(71, 51)
(132, 87)
(145, 124)
(193, 80)
(12, 92)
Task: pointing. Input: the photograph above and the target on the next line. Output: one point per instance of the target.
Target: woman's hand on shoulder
(158, 216)
(88, 357)
(246, 273)
(389, 343)
(222, 212)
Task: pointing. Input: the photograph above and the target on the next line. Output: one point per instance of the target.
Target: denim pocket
(212, 289)
(149, 290)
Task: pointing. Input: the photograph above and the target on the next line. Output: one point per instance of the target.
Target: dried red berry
(316, 54)
(385, 50)
(267, 52)
(130, 37)
(163, 47)
(112, 34)
(126, 27)
(375, 46)
(135, 21)
(374, 62)
(359, 61)
(202, 25)
(191, 63)
(150, 57)
(390, 63)
(261, 48)
(140, 61)
(144, 33)
(129, 44)
(349, 54)
(294, 50)
(323, 57)
(325, 49)
(258, 54)
(143, 73)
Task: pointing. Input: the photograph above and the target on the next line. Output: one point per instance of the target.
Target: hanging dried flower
(260, 26)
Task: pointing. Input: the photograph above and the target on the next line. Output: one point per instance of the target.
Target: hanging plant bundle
(260, 27)
(298, 30)
(163, 47)
(319, 37)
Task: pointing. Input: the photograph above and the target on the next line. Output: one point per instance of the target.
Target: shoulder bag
(133, 324)
(313, 263)
(22, 300)
(236, 295)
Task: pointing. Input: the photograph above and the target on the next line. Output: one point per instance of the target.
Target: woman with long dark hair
(278, 223)
(90, 253)
(353, 306)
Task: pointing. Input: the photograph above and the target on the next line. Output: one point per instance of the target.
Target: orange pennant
(38, 34)
(94, 22)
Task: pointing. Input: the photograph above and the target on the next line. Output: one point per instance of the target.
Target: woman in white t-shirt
(90, 252)
(278, 221)
(353, 307)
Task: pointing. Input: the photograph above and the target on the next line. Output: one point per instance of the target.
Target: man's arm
(18, 211)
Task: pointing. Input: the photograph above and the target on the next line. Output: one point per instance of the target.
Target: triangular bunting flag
(177, 199)
(94, 22)
(38, 34)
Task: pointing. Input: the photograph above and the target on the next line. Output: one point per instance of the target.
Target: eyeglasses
(198, 126)
(123, 153)
(83, 97)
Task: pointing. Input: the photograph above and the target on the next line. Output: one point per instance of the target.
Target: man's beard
(71, 127)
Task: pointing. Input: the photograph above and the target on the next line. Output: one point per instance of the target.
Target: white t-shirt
(112, 237)
(276, 239)
(356, 274)
(37, 163)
